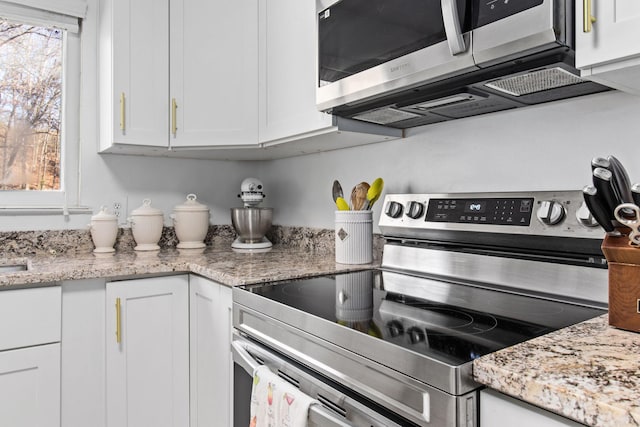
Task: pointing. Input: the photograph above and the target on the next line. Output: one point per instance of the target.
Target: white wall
(544, 147)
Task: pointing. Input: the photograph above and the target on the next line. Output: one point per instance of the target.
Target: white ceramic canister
(146, 225)
(104, 230)
(191, 222)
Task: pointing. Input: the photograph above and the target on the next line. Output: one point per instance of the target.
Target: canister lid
(146, 209)
(104, 215)
(191, 205)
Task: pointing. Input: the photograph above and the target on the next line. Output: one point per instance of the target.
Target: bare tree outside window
(30, 106)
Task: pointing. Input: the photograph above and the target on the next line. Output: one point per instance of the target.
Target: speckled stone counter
(589, 372)
(217, 262)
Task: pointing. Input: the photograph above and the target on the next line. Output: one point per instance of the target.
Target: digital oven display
(475, 207)
(512, 211)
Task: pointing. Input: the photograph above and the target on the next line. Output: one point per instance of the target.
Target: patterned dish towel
(277, 403)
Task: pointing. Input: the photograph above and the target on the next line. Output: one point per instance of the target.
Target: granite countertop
(217, 262)
(589, 372)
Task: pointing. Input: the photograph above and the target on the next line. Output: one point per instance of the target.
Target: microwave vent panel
(385, 116)
(535, 81)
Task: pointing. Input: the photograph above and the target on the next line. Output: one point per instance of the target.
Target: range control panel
(513, 211)
(544, 213)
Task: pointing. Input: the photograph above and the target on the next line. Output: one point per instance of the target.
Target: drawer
(30, 317)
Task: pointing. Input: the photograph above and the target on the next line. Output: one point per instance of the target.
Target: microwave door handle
(452, 28)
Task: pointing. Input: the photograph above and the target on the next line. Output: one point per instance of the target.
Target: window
(30, 106)
(39, 99)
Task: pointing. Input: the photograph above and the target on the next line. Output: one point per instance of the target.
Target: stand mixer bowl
(251, 223)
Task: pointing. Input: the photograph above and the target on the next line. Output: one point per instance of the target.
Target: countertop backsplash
(53, 242)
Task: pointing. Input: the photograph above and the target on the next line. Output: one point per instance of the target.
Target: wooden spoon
(359, 196)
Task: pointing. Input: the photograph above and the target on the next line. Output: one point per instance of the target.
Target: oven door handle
(242, 357)
(318, 414)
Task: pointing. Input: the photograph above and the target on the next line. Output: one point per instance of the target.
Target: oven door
(370, 47)
(334, 408)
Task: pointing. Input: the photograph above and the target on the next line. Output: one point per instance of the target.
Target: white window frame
(67, 197)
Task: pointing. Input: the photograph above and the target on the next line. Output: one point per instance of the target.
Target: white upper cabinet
(288, 77)
(216, 79)
(608, 52)
(177, 74)
(288, 58)
(214, 72)
(134, 73)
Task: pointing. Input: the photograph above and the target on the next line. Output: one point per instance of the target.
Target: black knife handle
(599, 212)
(602, 180)
(621, 182)
(635, 192)
(600, 162)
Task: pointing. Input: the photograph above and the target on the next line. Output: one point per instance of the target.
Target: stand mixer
(251, 222)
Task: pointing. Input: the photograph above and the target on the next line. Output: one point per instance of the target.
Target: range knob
(584, 217)
(550, 212)
(395, 328)
(415, 209)
(394, 209)
(416, 335)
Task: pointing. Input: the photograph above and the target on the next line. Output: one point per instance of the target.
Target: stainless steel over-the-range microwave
(406, 63)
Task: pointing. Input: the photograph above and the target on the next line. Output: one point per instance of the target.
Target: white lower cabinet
(172, 366)
(30, 357)
(211, 362)
(147, 352)
(30, 387)
(83, 353)
(499, 410)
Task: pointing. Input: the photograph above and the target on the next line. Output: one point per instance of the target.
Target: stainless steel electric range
(462, 275)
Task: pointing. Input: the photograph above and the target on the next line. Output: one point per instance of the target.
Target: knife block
(624, 282)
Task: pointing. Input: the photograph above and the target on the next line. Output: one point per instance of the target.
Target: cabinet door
(30, 387)
(614, 35)
(140, 55)
(82, 353)
(148, 370)
(499, 410)
(211, 362)
(214, 73)
(609, 53)
(288, 70)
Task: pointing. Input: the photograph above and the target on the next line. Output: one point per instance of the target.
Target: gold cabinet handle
(118, 322)
(122, 111)
(174, 118)
(587, 17)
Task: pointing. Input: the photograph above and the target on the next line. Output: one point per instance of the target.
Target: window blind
(63, 14)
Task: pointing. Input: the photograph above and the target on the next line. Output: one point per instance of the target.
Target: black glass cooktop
(451, 322)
